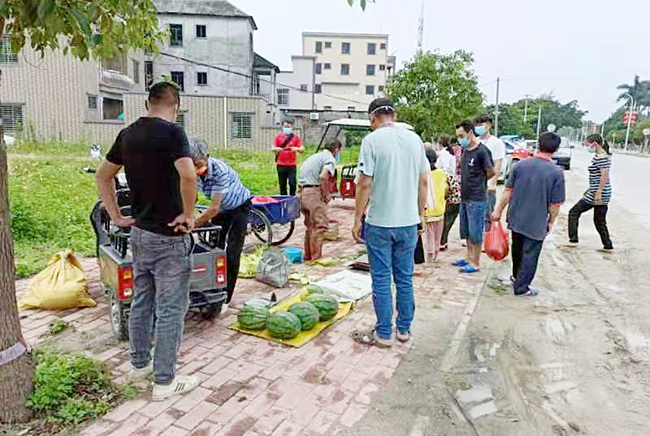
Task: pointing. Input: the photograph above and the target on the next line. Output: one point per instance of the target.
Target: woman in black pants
(597, 196)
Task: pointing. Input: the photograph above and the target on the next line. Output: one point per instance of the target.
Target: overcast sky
(576, 49)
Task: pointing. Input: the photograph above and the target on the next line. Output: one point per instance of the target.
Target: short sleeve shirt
(148, 149)
(496, 147)
(536, 184)
(474, 166)
(287, 157)
(309, 174)
(394, 158)
(221, 179)
(598, 162)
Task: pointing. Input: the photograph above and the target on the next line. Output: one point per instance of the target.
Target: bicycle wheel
(259, 230)
(282, 232)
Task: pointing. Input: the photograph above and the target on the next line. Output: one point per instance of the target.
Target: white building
(336, 72)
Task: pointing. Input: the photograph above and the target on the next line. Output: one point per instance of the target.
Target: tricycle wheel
(208, 313)
(282, 232)
(260, 226)
(119, 319)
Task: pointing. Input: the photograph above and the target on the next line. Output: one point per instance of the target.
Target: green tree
(363, 3)
(553, 112)
(435, 91)
(639, 90)
(83, 28)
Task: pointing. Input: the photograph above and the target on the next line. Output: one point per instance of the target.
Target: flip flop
(461, 263)
(469, 269)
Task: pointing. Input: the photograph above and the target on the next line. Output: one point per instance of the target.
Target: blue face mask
(287, 130)
(337, 158)
(591, 150)
(479, 130)
(464, 142)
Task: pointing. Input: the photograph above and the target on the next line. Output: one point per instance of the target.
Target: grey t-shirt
(536, 184)
(309, 174)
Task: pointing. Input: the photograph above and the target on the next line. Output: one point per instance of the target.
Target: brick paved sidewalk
(252, 387)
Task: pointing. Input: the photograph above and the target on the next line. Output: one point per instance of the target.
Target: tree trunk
(15, 376)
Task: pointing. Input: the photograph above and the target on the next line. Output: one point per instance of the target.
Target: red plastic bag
(496, 242)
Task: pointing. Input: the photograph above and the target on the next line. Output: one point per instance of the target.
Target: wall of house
(351, 86)
(228, 45)
(301, 75)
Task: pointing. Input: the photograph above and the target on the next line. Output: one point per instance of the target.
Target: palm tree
(639, 90)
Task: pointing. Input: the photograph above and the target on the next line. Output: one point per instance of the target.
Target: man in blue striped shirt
(231, 203)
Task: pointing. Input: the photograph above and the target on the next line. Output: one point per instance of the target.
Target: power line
(237, 73)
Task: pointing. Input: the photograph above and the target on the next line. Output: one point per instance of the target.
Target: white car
(562, 156)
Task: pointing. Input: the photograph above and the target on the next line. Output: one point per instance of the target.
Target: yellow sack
(61, 285)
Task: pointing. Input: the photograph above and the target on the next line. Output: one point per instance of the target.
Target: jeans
(287, 175)
(391, 251)
(451, 213)
(491, 203)
(161, 286)
(600, 221)
(525, 256)
(472, 220)
(232, 237)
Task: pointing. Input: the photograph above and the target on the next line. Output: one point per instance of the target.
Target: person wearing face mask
(393, 181)
(285, 146)
(155, 154)
(229, 208)
(477, 168)
(314, 193)
(483, 128)
(597, 196)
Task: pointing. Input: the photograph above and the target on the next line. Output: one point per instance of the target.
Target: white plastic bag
(274, 268)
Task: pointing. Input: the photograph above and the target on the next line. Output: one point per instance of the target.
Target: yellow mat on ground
(303, 337)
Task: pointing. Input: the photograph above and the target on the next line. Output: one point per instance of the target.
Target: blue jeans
(472, 220)
(161, 282)
(390, 251)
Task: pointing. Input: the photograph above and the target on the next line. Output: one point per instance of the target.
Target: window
(370, 90)
(117, 63)
(318, 68)
(303, 87)
(370, 70)
(318, 89)
(112, 108)
(202, 78)
(176, 35)
(380, 88)
(7, 53)
(12, 117)
(319, 47)
(345, 69)
(372, 48)
(327, 108)
(201, 31)
(283, 96)
(181, 119)
(345, 48)
(242, 126)
(136, 72)
(327, 66)
(328, 44)
(382, 67)
(383, 46)
(92, 102)
(179, 78)
(351, 108)
(148, 74)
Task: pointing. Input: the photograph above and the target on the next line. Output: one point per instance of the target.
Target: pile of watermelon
(302, 316)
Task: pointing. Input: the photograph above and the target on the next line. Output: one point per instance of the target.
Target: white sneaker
(138, 375)
(182, 384)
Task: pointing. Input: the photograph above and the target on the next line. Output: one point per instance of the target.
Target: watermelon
(283, 325)
(253, 317)
(307, 313)
(327, 305)
(309, 290)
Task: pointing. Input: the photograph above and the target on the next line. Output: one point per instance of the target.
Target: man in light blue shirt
(393, 183)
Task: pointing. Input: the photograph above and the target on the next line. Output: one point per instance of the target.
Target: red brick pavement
(252, 387)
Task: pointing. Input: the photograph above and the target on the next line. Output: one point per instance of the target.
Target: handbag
(284, 144)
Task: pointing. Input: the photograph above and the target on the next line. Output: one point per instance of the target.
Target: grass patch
(51, 196)
(70, 389)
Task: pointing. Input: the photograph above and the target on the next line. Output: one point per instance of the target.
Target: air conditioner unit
(314, 116)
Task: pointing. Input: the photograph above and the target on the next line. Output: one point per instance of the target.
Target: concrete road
(573, 361)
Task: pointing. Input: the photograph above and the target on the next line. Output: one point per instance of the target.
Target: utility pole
(539, 121)
(526, 108)
(421, 29)
(496, 112)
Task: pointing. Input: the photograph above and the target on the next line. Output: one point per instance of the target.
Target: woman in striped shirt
(598, 195)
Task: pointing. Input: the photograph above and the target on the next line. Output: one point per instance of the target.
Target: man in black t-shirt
(161, 175)
(477, 168)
